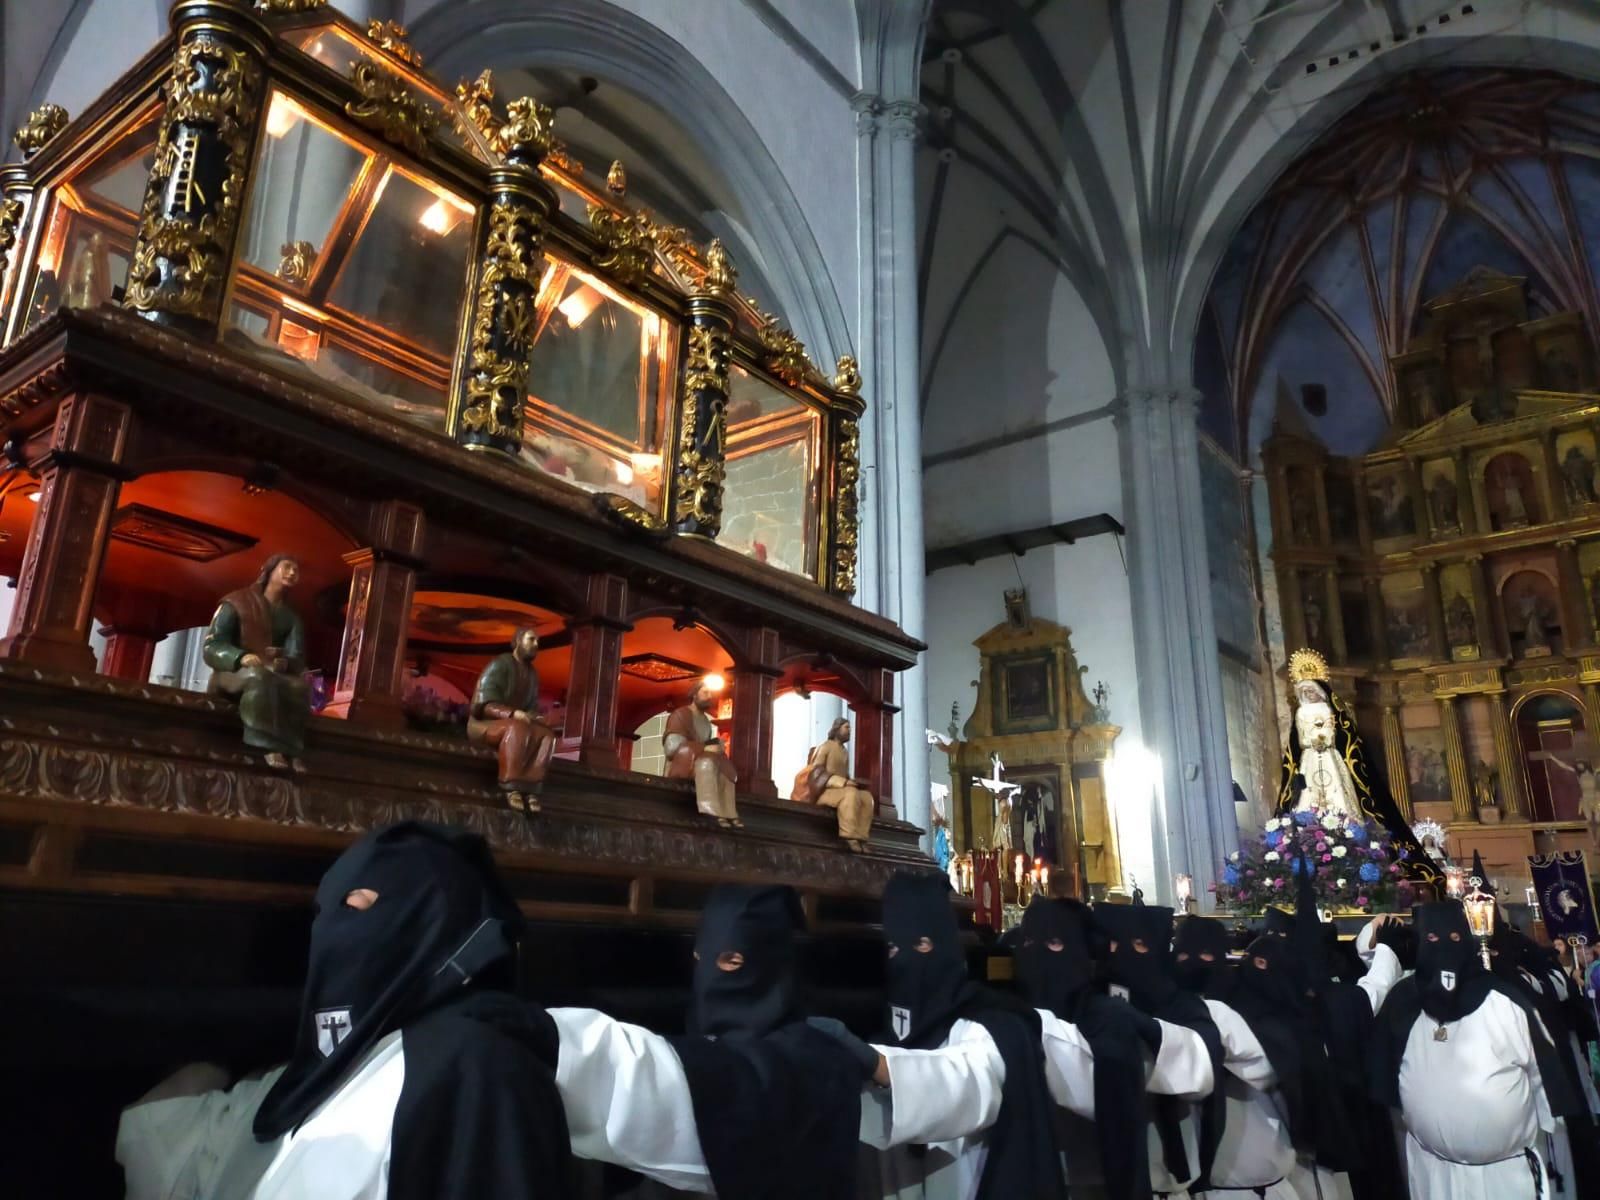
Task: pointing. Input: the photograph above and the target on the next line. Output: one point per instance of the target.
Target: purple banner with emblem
(1566, 901)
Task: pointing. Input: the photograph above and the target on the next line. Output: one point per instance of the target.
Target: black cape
(933, 992)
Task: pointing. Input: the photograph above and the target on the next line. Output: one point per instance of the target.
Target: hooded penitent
(776, 1103)
(1449, 985)
(928, 991)
(1200, 957)
(1137, 966)
(428, 957)
(1057, 973)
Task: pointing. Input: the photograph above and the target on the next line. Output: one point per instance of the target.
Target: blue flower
(1273, 838)
(1370, 873)
(1358, 832)
(1230, 876)
(1302, 867)
(1305, 817)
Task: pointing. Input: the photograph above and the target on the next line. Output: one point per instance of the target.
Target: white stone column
(891, 575)
(1180, 685)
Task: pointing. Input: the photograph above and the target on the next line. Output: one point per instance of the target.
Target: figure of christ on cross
(1582, 769)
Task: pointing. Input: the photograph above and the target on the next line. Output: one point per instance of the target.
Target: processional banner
(1561, 881)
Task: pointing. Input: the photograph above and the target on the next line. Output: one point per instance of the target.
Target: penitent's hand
(873, 1065)
(1375, 926)
(249, 660)
(522, 715)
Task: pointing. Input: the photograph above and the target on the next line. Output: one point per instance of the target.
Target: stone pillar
(190, 220)
(701, 442)
(1394, 757)
(1340, 648)
(1378, 619)
(487, 410)
(1577, 631)
(1455, 758)
(1556, 491)
(1438, 648)
(370, 688)
(1294, 613)
(755, 686)
(1506, 758)
(874, 737)
(129, 653)
(892, 568)
(1591, 704)
(590, 735)
(1180, 685)
(1466, 503)
(79, 480)
(1489, 633)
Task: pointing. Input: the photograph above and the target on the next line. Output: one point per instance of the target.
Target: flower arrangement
(1351, 862)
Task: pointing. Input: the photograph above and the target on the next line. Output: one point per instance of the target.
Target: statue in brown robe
(826, 780)
(255, 648)
(694, 751)
(505, 715)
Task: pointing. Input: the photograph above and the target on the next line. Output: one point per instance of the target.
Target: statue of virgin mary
(1326, 767)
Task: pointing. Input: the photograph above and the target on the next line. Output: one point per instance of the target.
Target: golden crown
(1307, 664)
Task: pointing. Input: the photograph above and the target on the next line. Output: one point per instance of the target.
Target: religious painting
(1580, 472)
(1427, 776)
(1562, 355)
(464, 620)
(1424, 395)
(1303, 520)
(1471, 382)
(1341, 495)
(1558, 755)
(1025, 693)
(1389, 508)
(1406, 617)
(1509, 492)
(1355, 618)
(1532, 614)
(1515, 367)
(1314, 610)
(1442, 496)
(1036, 826)
(1461, 631)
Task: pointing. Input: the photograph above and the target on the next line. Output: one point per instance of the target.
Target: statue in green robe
(256, 651)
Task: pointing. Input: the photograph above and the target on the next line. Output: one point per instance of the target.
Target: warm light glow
(714, 682)
(577, 307)
(34, 496)
(624, 473)
(443, 215)
(1183, 888)
(1455, 882)
(648, 465)
(282, 116)
(299, 341)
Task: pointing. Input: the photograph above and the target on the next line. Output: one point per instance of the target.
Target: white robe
(1473, 1105)
(1181, 1067)
(201, 1147)
(1255, 1150)
(945, 1099)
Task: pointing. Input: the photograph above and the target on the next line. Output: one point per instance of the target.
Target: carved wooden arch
(854, 689)
(732, 639)
(556, 588)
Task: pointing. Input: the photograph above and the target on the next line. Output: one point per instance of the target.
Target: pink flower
(1322, 847)
(1394, 869)
(1277, 883)
(1362, 901)
(1327, 858)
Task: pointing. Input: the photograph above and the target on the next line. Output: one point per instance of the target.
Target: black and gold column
(492, 390)
(844, 527)
(16, 190)
(190, 219)
(699, 459)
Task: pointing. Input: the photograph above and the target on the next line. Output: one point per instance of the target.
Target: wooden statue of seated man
(694, 751)
(505, 715)
(825, 780)
(255, 648)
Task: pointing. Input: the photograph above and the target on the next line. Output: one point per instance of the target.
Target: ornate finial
(617, 179)
(43, 124)
(721, 277)
(1307, 664)
(530, 130)
(392, 36)
(847, 378)
(295, 265)
(477, 99)
(390, 108)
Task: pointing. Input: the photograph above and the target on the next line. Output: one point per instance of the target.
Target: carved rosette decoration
(43, 124)
(784, 354)
(197, 184)
(390, 109)
(848, 407)
(702, 443)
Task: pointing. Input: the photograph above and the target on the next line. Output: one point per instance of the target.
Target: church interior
(1046, 389)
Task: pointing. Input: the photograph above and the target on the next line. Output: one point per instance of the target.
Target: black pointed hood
(1054, 962)
(758, 924)
(1450, 972)
(1200, 957)
(1141, 959)
(442, 921)
(926, 980)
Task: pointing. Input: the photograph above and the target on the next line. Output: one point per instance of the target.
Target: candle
(1019, 869)
(1044, 880)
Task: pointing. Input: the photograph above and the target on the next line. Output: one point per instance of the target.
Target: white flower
(1332, 820)
(1234, 857)
(1272, 856)
(1340, 883)
(1339, 851)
